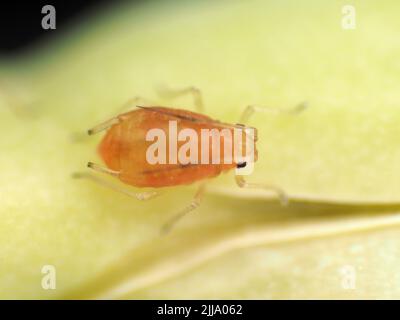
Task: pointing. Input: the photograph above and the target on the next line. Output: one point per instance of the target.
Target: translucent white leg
(134, 102)
(168, 93)
(103, 126)
(166, 228)
(283, 197)
(130, 104)
(247, 113)
(139, 196)
(251, 109)
(102, 169)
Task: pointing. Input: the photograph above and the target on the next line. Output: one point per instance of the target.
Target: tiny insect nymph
(126, 147)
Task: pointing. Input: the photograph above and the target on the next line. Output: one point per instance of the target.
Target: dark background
(21, 21)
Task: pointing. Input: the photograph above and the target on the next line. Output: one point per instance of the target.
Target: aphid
(124, 148)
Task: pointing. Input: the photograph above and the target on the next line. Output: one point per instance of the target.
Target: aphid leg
(130, 104)
(103, 126)
(251, 109)
(168, 93)
(102, 169)
(134, 102)
(166, 228)
(283, 197)
(247, 113)
(139, 196)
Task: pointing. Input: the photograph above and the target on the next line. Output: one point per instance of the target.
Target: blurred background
(339, 161)
(20, 21)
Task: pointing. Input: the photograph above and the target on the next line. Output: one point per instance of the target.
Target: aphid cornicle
(124, 150)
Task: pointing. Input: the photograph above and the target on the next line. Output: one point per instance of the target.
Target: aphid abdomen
(179, 175)
(109, 148)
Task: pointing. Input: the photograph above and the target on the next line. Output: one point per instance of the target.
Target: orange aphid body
(124, 146)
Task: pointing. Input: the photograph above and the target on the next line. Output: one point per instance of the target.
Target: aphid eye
(241, 165)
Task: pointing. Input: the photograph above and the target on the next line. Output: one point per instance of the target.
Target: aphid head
(255, 138)
(250, 138)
